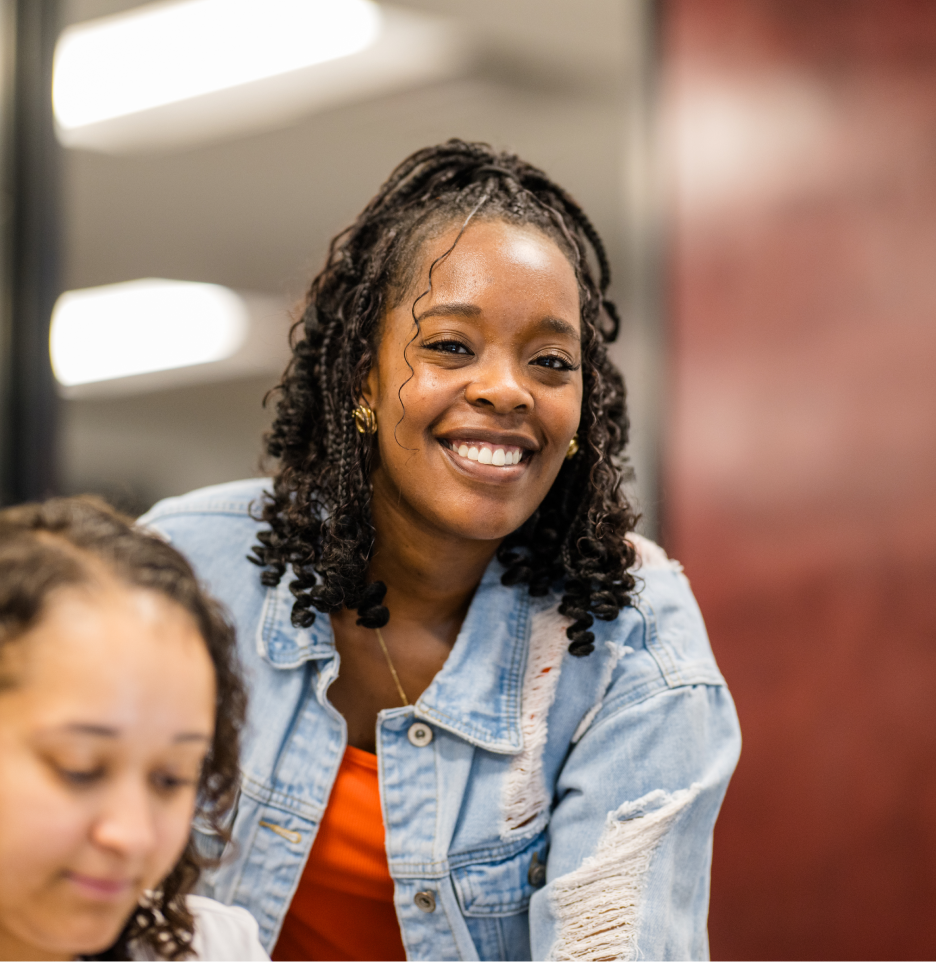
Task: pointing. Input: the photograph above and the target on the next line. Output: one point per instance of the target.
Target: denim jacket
(536, 805)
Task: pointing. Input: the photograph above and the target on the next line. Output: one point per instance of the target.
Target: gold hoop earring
(573, 447)
(365, 419)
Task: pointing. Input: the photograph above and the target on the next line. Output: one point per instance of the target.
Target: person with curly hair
(120, 701)
(485, 719)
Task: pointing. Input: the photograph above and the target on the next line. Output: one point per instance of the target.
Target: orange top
(343, 908)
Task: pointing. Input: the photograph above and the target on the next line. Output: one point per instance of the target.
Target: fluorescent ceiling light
(170, 75)
(140, 326)
(162, 53)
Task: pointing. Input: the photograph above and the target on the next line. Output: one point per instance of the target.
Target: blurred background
(764, 175)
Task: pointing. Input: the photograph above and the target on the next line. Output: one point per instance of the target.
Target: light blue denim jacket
(606, 771)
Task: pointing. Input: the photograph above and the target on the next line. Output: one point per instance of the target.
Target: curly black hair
(319, 514)
(63, 542)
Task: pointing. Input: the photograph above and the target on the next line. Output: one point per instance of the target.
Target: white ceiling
(257, 212)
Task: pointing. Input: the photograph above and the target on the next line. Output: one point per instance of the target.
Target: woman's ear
(370, 391)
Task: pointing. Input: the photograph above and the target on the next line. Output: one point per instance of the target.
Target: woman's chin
(90, 932)
(76, 939)
(483, 525)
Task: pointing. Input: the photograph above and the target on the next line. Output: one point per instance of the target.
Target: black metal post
(29, 249)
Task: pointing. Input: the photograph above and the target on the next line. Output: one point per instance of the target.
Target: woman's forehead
(126, 658)
(492, 252)
(443, 239)
(513, 240)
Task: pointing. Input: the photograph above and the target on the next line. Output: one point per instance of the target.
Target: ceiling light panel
(172, 75)
(163, 53)
(120, 330)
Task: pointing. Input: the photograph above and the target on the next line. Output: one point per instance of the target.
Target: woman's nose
(126, 823)
(498, 384)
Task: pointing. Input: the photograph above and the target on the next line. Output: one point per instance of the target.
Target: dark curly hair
(44, 547)
(319, 514)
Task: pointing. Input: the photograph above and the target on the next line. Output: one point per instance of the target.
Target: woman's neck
(430, 576)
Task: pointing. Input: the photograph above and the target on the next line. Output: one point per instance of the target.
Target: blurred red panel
(800, 472)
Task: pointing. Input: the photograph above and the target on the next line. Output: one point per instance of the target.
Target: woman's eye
(167, 783)
(555, 362)
(449, 347)
(81, 777)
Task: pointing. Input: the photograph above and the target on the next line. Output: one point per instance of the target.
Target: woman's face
(106, 715)
(476, 409)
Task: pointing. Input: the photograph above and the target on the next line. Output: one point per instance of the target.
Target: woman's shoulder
(208, 514)
(663, 625)
(650, 556)
(656, 646)
(225, 933)
(216, 529)
(665, 619)
(235, 499)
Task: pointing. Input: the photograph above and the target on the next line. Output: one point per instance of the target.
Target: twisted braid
(318, 516)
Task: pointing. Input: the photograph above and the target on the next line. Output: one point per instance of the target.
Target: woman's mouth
(100, 889)
(485, 452)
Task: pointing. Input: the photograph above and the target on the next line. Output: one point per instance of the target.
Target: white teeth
(484, 454)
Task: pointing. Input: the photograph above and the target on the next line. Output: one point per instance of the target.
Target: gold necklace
(396, 677)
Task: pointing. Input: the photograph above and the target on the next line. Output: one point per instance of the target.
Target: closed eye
(168, 782)
(81, 778)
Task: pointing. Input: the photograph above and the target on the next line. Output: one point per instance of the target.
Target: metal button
(425, 901)
(537, 873)
(420, 734)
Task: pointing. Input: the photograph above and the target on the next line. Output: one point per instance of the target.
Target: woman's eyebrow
(458, 309)
(87, 728)
(555, 325)
(192, 737)
(105, 731)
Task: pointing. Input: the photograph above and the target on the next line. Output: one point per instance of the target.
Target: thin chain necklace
(393, 672)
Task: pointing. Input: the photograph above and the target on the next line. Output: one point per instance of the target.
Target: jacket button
(420, 734)
(537, 873)
(425, 901)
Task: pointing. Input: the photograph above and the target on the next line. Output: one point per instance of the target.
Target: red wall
(800, 470)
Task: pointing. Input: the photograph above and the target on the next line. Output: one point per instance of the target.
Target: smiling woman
(451, 758)
(119, 701)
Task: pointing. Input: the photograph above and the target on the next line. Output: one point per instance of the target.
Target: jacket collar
(477, 693)
(279, 642)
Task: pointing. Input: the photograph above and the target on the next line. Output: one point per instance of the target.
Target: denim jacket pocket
(499, 884)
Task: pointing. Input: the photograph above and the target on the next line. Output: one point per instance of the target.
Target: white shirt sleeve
(224, 933)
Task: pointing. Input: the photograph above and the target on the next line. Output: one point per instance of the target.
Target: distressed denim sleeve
(631, 833)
